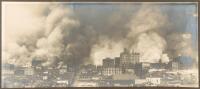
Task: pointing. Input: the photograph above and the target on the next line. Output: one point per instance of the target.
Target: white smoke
(52, 32)
(106, 49)
(58, 17)
(151, 47)
(56, 22)
(19, 26)
(148, 18)
(165, 58)
(181, 44)
(147, 41)
(43, 24)
(147, 36)
(150, 37)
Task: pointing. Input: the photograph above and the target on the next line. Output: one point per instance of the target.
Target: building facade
(129, 59)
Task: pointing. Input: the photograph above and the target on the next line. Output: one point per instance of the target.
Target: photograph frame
(110, 1)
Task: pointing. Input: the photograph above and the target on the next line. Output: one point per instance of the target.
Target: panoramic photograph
(99, 44)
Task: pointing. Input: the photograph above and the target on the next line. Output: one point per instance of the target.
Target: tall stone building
(129, 59)
(110, 67)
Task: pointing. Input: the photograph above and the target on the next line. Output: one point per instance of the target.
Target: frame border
(108, 1)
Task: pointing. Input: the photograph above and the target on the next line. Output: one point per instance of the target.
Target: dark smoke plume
(62, 34)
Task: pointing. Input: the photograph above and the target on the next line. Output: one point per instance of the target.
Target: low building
(85, 77)
(158, 65)
(153, 81)
(141, 69)
(8, 69)
(107, 62)
(173, 65)
(63, 70)
(181, 63)
(19, 72)
(156, 72)
(185, 62)
(85, 84)
(140, 82)
(62, 83)
(44, 77)
(7, 66)
(124, 77)
(123, 83)
(8, 72)
(29, 71)
(111, 71)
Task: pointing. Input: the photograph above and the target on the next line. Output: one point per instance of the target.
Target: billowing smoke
(142, 36)
(165, 58)
(180, 44)
(147, 18)
(151, 46)
(144, 26)
(46, 41)
(58, 34)
(106, 49)
(58, 25)
(22, 31)
(155, 38)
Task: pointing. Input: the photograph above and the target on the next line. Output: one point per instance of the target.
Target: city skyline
(125, 70)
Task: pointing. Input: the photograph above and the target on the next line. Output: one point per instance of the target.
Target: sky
(90, 32)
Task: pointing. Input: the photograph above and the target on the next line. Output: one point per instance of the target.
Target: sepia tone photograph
(99, 44)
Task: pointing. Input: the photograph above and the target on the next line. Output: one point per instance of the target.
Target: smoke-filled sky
(89, 32)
